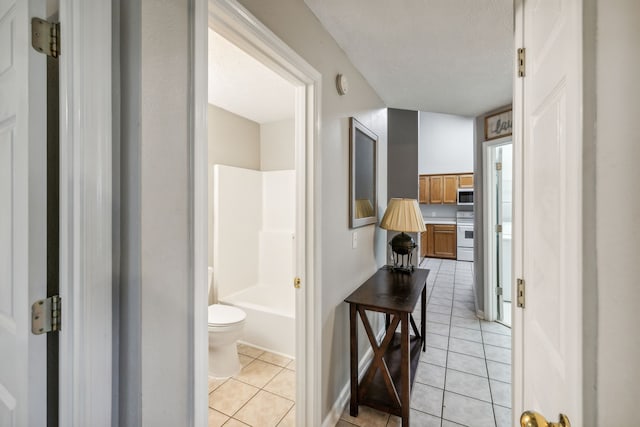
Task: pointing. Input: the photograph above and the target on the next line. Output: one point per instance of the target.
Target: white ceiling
(447, 56)
(244, 86)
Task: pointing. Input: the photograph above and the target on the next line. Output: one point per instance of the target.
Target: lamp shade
(403, 215)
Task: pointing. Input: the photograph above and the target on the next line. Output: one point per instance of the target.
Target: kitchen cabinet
(444, 241)
(435, 189)
(450, 189)
(443, 189)
(424, 189)
(465, 181)
(439, 241)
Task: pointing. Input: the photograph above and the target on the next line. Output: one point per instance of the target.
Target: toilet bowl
(226, 324)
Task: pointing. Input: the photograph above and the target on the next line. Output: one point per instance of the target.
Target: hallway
(464, 377)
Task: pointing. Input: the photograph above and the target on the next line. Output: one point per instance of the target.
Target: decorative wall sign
(497, 125)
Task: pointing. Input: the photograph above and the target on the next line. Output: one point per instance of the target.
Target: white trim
(335, 413)
(198, 196)
(517, 317)
(85, 213)
(235, 23)
(489, 218)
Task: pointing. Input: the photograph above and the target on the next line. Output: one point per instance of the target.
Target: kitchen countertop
(439, 220)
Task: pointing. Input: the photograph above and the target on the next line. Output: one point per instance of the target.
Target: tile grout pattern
(261, 394)
(464, 377)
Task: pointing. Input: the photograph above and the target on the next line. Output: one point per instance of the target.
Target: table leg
(423, 319)
(405, 382)
(353, 327)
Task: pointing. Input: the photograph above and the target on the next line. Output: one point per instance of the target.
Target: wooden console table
(387, 384)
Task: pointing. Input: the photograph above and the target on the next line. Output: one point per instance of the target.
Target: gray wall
(154, 295)
(127, 326)
(402, 179)
(616, 152)
(478, 207)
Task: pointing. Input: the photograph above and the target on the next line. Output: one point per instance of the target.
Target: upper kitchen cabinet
(450, 191)
(465, 181)
(440, 189)
(436, 188)
(424, 189)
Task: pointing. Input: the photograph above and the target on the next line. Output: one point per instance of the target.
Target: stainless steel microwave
(465, 196)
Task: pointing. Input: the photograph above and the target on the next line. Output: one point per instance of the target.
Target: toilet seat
(225, 315)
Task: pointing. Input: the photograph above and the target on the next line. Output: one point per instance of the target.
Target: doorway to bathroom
(262, 116)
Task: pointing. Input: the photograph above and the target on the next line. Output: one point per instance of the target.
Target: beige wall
(277, 145)
(233, 140)
(343, 269)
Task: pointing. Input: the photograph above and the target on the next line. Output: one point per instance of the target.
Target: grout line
(493, 409)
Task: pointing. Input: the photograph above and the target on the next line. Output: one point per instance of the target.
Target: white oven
(465, 196)
(464, 221)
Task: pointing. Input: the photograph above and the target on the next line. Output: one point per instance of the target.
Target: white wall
(617, 152)
(277, 145)
(445, 143)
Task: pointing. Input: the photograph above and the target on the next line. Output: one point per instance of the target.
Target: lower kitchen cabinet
(439, 241)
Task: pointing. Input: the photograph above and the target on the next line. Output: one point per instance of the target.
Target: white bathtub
(270, 323)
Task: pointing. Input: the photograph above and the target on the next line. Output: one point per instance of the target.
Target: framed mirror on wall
(363, 176)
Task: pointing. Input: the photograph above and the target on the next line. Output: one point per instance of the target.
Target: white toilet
(226, 324)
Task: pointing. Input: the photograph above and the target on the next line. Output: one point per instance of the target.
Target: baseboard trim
(480, 314)
(338, 406)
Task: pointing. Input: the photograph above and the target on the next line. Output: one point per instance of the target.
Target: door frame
(85, 363)
(490, 303)
(238, 25)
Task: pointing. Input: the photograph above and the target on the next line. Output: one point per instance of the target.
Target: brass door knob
(534, 419)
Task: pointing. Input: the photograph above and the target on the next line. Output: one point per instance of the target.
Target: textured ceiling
(244, 86)
(447, 56)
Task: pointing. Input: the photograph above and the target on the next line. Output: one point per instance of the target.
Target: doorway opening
(498, 227)
(238, 27)
(252, 234)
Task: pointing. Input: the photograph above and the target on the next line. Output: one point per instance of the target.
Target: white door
(22, 216)
(547, 360)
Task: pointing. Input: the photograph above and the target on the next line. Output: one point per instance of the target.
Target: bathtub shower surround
(253, 252)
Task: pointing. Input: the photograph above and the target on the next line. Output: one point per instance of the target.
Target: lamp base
(401, 269)
(402, 245)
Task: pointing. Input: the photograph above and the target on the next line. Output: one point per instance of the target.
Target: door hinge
(521, 293)
(297, 282)
(498, 166)
(498, 291)
(45, 37)
(522, 60)
(46, 315)
(498, 228)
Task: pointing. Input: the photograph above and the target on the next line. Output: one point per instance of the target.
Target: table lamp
(403, 215)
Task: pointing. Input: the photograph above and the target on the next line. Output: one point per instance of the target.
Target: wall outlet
(354, 240)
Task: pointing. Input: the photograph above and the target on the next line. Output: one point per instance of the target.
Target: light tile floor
(261, 395)
(464, 377)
